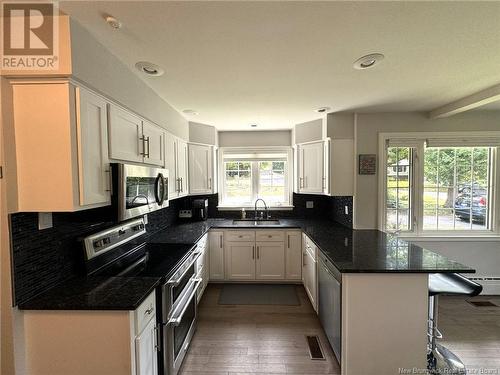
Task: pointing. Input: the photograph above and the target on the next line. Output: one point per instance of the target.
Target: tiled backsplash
(44, 258)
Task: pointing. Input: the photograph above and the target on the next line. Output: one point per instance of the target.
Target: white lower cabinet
(216, 255)
(145, 350)
(270, 263)
(83, 342)
(309, 271)
(202, 265)
(293, 255)
(255, 255)
(240, 260)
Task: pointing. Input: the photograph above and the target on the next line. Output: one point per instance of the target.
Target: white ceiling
(272, 63)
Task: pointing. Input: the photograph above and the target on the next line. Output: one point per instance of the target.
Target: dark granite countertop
(95, 293)
(350, 250)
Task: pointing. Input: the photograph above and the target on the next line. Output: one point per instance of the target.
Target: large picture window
(249, 175)
(442, 185)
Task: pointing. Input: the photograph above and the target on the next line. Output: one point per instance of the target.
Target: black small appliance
(200, 209)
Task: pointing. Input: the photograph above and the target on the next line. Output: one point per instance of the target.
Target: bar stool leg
(440, 360)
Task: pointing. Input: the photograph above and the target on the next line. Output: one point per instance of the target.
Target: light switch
(44, 220)
(346, 210)
(309, 204)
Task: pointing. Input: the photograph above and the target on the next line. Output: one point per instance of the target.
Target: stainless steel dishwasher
(330, 297)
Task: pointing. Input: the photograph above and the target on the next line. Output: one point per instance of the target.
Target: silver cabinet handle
(324, 183)
(253, 252)
(300, 182)
(156, 332)
(147, 140)
(304, 255)
(149, 311)
(288, 242)
(220, 241)
(110, 180)
(182, 184)
(210, 183)
(143, 140)
(258, 252)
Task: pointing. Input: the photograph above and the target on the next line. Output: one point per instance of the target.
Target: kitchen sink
(253, 222)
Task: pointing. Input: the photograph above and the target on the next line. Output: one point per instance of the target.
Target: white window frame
(288, 177)
(417, 140)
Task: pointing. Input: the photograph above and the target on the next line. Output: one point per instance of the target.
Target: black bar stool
(440, 360)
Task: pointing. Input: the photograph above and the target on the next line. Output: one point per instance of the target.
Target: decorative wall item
(367, 164)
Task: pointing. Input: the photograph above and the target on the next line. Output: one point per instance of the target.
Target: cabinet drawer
(270, 235)
(240, 235)
(310, 247)
(144, 313)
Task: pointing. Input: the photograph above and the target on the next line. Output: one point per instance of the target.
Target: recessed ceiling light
(368, 61)
(322, 109)
(113, 22)
(190, 112)
(253, 125)
(149, 68)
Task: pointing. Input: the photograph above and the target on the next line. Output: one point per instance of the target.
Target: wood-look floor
(266, 339)
(472, 333)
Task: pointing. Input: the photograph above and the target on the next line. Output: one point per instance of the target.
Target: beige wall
(201, 133)
(6, 327)
(255, 138)
(309, 131)
(369, 125)
(104, 72)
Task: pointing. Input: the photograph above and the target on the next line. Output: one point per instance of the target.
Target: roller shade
(404, 142)
(463, 142)
(255, 155)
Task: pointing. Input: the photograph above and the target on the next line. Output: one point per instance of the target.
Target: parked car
(463, 208)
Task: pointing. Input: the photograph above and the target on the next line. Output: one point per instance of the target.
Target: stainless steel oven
(179, 313)
(140, 189)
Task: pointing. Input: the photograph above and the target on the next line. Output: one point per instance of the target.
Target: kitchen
(183, 194)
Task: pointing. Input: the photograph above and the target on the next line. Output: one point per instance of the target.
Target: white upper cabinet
(311, 168)
(154, 141)
(125, 133)
(134, 139)
(176, 162)
(92, 139)
(200, 169)
(60, 147)
(182, 167)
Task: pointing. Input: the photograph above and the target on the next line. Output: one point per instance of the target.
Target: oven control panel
(108, 239)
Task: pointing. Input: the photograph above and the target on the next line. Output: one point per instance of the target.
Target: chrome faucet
(265, 208)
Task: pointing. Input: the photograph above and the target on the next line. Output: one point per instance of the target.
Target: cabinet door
(310, 279)
(312, 164)
(170, 164)
(145, 350)
(92, 138)
(240, 260)
(154, 137)
(125, 133)
(293, 255)
(270, 263)
(200, 169)
(182, 166)
(216, 257)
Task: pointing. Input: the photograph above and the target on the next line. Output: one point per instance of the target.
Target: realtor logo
(30, 36)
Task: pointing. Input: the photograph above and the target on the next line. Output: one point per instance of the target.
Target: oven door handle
(191, 262)
(175, 321)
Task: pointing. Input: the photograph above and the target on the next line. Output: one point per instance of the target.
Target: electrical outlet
(309, 204)
(346, 210)
(44, 220)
